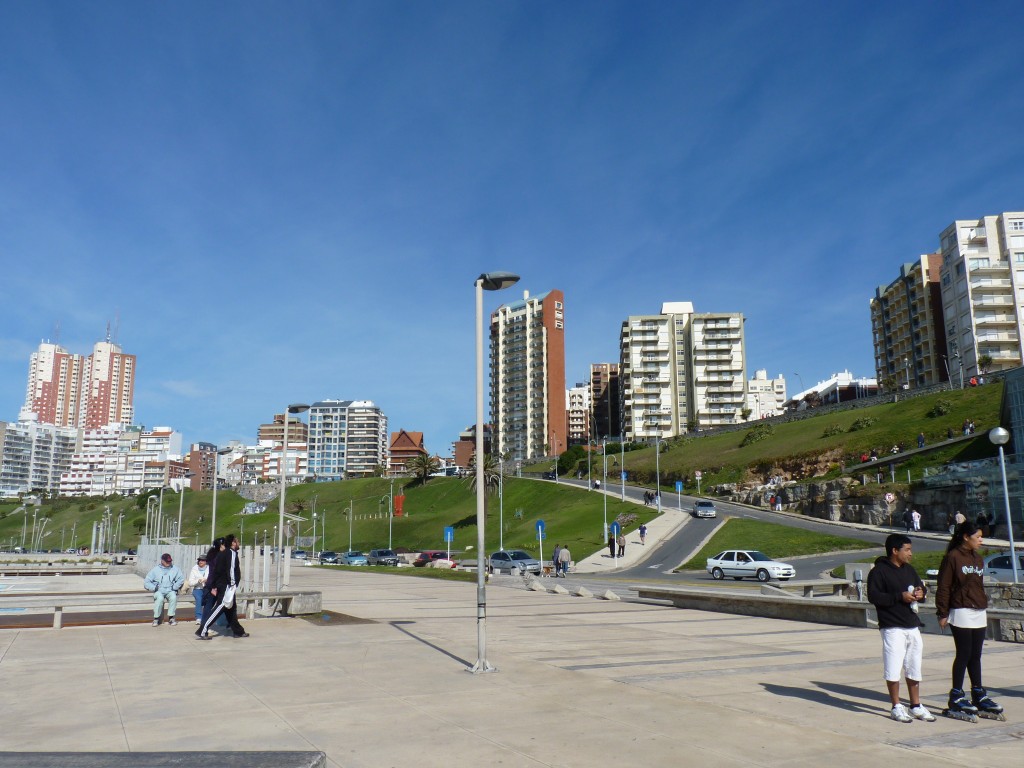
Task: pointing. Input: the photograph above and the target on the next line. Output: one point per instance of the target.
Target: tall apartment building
(907, 328)
(33, 456)
(75, 391)
(269, 434)
(527, 364)
(124, 460)
(982, 279)
(606, 416)
(680, 370)
(202, 466)
(578, 414)
(347, 438)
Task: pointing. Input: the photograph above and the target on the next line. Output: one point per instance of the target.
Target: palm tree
(492, 472)
(423, 466)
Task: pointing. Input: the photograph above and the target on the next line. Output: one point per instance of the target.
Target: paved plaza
(382, 681)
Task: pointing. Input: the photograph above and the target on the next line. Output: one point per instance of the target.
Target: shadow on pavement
(398, 625)
(822, 697)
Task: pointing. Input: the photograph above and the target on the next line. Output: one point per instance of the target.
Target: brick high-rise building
(70, 390)
(606, 415)
(528, 377)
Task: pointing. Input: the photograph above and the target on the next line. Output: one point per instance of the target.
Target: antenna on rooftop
(117, 325)
(56, 333)
(108, 332)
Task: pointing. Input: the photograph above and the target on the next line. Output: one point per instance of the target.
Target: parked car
(429, 555)
(514, 561)
(999, 568)
(748, 563)
(299, 554)
(382, 557)
(354, 557)
(704, 508)
(549, 475)
(328, 558)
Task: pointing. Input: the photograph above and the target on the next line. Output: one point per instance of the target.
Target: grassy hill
(817, 446)
(572, 516)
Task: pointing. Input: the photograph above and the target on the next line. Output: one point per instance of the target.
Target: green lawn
(776, 541)
(444, 574)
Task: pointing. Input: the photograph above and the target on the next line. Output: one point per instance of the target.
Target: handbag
(229, 596)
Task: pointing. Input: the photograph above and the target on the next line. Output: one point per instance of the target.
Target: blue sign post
(540, 538)
(449, 537)
(679, 498)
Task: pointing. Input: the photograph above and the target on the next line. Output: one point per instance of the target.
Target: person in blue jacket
(164, 581)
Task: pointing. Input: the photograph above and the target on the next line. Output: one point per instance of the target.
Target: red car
(428, 555)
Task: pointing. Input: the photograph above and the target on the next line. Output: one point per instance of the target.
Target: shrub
(941, 408)
(862, 423)
(757, 433)
(832, 430)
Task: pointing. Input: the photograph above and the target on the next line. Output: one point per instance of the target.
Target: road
(669, 553)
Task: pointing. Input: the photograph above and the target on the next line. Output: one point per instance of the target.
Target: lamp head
(998, 436)
(495, 281)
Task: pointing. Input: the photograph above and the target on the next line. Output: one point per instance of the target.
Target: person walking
(961, 604)
(197, 583)
(908, 520)
(164, 581)
(622, 545)
(224, 581)
(915, 518)
(920, 439)
(643, 534)
(611, 545)
(554, 558)
(564, 558)
(895, 589)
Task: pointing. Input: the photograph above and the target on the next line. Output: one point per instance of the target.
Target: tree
(423, 466)
(745, 413)
(984, 363)
(492, 472)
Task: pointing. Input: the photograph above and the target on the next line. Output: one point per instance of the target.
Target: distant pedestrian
(643, 534)
(224, 582)
(908, 520)
(920, 439)
(949, 433)
(611, 545)
(916, 517)
(970, 427)
(564, 558)
(778, 502)
(554, 558)
(966, 427)
(164, 581)
(982, 522)
(197, 583)
(622, 545)
(959, 518)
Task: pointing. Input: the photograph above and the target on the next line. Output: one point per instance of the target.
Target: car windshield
(385, 553)
(520, 555)
(355, 554)
(758, 556)
(705, 504)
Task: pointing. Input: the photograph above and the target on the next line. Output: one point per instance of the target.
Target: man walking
(895, 589)
(225, 579)
(564, 558)
(164, 581)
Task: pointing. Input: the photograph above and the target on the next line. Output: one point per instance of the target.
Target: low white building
(765, 397)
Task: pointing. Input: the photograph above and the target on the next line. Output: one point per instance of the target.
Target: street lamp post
(181, 505)
(490, 281)
(1001, 437)
(657, 467)
(351, 512)
(622, 463)
(501, 514)
(216, 466)
(391, 509)
(604, 482)
(294, 408)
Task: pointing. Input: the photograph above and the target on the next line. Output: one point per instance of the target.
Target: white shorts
(902, 650)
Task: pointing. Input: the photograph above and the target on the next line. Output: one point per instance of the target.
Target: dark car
(550, 475)
(429, 556)
(328, 558)
(382, 557)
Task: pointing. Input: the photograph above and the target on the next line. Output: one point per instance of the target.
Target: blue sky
(281, 202)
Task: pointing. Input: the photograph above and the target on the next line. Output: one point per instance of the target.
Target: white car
(999, 568)
(704, 508)
(748, 563)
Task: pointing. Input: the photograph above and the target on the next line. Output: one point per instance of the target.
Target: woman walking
(961, 603)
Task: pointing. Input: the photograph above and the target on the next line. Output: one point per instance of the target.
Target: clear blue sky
(290, 201)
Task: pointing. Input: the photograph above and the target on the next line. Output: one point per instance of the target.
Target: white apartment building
(347, 438)
(578, 411)
(123, 460)
(765, 397)
(983, 293)
(680, 370)
(33, 456)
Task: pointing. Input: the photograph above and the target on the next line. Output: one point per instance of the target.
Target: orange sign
(399, 502)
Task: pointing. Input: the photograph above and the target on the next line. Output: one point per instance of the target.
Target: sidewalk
(658, 529)
(380, 680)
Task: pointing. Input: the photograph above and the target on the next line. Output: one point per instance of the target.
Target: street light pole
(1001, 437)
(351, 512)
(391, 510)
(294, 408)
(604, 482)
(657, 467)
(622, 462)
(491, 281)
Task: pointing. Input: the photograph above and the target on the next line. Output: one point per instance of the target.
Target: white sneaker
(921, 712)
(899, 714)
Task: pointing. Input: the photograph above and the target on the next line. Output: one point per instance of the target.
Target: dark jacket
(220, 574)
(886, 585)
(961, 582)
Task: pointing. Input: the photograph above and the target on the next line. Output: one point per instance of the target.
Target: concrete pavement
(381, 680)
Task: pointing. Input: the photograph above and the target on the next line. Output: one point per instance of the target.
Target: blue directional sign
(449, 533)
(540, 530)
(615, 528)
(623, 474)
(679, 486)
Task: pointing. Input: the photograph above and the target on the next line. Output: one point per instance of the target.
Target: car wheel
(717, 574)
(763, 575)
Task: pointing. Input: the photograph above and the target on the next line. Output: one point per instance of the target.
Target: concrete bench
(845, 613)
(161, 759)
(807, 586)
(288, 603)
(50, 569)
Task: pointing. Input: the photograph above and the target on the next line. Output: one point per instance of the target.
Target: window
(558, 305)
(1017, 225)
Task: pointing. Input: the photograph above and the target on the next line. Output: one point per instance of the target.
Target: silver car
(382, 557)
(352, 558)
(704, 508)
(999, 568)
(748, 563)
(514, 561)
